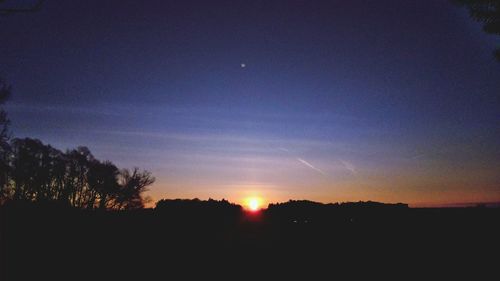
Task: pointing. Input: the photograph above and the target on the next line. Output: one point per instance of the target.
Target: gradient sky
(393, 101)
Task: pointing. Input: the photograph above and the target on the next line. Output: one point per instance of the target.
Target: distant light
(243, 65)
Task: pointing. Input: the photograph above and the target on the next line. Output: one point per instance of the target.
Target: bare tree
(5, 91)
(132, 186)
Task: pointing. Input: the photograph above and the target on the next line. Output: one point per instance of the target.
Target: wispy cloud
(310, 165)
(349, 166)
(63, 109)
(283, 149)
(418, 156)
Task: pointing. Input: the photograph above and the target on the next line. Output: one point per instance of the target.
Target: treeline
(301, 204)
(32, 171)
(304, 211)
(199, 210)
(197, 204)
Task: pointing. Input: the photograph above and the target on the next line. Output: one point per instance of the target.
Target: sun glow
(254, 203)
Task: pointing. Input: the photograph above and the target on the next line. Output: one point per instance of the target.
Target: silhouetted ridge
(196, 209)
(306, 204)
(305, 211)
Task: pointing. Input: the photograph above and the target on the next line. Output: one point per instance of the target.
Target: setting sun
(254, 203)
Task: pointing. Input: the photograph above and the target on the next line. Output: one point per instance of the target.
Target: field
(41, 242)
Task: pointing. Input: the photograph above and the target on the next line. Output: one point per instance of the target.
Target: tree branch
(36, 7)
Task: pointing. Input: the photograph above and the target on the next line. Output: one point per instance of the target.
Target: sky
(331, 101)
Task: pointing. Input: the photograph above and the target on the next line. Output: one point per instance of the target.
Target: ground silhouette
(197, 238)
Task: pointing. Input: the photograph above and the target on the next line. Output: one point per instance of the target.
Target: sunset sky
(392, 101)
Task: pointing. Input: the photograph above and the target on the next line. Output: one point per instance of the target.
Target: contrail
(349, 166)
(310, 166)
(302, 161)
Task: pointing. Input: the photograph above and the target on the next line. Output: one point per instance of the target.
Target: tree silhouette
(41, 173)
(132, 185)
(78, 166)
(486, 12)
(5, 91)
(36, 170)
(103, 179)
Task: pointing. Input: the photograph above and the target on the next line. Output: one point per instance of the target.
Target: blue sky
(393, 101)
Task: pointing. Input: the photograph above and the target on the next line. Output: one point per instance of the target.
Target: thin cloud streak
(310, 165)
(302, 161)
(349, 166)
(203, 137)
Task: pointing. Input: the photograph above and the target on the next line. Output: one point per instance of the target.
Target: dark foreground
(46, 243)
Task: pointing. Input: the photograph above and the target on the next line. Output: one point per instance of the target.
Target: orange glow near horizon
(324, 193)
